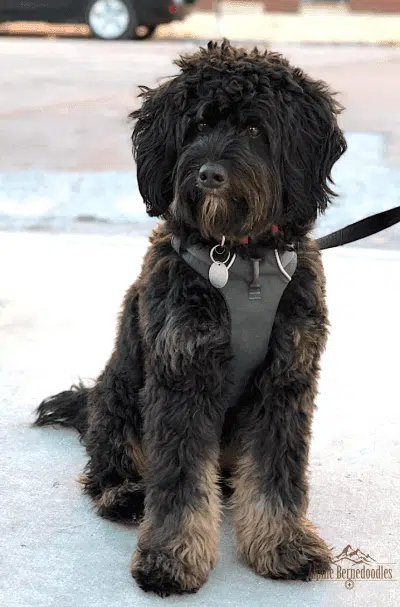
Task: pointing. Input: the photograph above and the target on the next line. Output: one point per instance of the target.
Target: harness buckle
(254, 292)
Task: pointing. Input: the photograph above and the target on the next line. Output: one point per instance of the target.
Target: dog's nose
(212, 176)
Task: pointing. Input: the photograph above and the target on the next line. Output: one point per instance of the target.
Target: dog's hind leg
(108, 419)
(113, 475)
(273, 434)
(117, 498)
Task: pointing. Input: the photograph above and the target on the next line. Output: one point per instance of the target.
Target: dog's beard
(221, 215)
(214, 215)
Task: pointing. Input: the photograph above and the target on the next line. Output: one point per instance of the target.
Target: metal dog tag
(218, 274)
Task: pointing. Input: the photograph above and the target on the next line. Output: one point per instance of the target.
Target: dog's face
(225, 182)
(237, 142)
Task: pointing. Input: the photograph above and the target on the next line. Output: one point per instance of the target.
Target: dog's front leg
(273, 434)
(183, 408)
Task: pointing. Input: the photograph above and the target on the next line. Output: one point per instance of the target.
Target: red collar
(245, 239)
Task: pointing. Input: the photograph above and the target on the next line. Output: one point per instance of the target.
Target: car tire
(111, 19)
(144, 32)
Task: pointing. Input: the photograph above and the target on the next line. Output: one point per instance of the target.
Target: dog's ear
(311, 144)
(154, 145)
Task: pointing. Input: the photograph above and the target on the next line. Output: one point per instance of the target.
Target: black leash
(360, 229)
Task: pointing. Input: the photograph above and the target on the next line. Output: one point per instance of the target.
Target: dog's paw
(299, 557)
(303, 567)
(124, 503)
(162, 573)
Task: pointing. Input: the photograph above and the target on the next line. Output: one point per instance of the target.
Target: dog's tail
(68, 408)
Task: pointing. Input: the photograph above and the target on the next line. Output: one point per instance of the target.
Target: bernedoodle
(210, 390)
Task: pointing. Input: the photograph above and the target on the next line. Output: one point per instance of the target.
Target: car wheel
(144, 32)
(111, 19)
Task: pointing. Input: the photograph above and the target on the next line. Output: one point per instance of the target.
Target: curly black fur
(279, 177)
(158, 425)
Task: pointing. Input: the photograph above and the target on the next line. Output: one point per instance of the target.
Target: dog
(234, 154)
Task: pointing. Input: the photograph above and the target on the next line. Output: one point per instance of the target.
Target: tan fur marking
(111, 494)
(194, 546)
(272, 540)
(82, 479)
(213, 210)
(138, 456)
(309, 345)
(197, 543)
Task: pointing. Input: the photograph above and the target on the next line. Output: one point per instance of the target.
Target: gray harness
(252, 295)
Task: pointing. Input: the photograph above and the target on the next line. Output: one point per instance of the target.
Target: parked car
(107, 19)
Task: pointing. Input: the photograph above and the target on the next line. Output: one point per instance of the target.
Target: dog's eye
(201, 126)
(253, 131)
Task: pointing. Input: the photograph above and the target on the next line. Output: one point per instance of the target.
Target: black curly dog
(236, 143)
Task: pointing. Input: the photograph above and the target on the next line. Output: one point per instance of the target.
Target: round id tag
(218, 273)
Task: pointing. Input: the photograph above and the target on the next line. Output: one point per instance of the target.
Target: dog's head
(236, 142)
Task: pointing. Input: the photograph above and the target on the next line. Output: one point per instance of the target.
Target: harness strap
(252, 296)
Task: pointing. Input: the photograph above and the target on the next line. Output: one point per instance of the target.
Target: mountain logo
(355, 557)
(352, 564)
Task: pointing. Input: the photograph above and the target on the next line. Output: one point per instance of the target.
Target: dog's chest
(252, 311)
